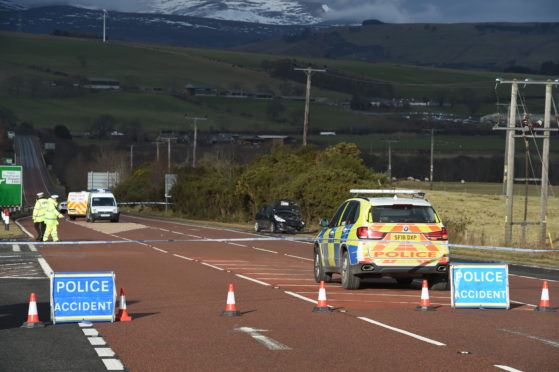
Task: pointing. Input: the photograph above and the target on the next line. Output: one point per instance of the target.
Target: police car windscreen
(103, 202)
(403, 214)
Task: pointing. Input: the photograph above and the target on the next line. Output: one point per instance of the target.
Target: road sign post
(82, 296)
(479, 285)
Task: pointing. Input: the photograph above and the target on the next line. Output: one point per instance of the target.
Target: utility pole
(104, 25)
(431, 164)
(545, 163)
(389, 172)
(195, 120)
(308, 71)
(509, 165)
(131, 157)
(169, 154)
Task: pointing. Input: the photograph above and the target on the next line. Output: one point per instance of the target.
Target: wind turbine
(104, 24)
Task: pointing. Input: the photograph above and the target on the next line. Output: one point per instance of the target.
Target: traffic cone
(322, 305)
(122, 315)
(424, 303)
(32, 315)
(544, 301)
(231, 308)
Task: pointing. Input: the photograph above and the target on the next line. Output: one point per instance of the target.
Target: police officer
(39, 215)
(51, 219)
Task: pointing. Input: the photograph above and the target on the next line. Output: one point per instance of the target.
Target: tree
(102, 126)
(61, 131)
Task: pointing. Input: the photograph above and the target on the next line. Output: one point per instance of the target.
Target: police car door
(349, 217)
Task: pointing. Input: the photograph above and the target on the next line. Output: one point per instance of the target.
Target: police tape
(297, 239)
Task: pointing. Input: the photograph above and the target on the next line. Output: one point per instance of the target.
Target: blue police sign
(479, 285)
(76, 297)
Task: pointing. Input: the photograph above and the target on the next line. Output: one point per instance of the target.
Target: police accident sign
(479, 285)
(82, 296)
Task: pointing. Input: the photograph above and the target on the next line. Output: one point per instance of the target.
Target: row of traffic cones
(231, 307)
(33, 316)
(424, 303)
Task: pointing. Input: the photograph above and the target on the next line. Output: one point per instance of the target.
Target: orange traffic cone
(544, 301)
(424, 303)
(32, 315)
(322, 305)
(122, 315)
(231, 308)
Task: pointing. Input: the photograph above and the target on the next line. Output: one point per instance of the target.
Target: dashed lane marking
(270, 343)
(253, 280)
(106, 354)
(265, 250)
(540, 339)
(183, 257)
(212, 266)
(507, 368)
(301, 258)
(16, 248)
(416, 336)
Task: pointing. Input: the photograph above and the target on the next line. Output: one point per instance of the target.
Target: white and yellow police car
(395, 233)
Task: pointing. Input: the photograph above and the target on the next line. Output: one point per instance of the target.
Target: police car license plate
(105, 215)
(407, 237)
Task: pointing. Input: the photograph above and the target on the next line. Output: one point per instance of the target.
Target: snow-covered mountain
(271, 12)
(256, 11)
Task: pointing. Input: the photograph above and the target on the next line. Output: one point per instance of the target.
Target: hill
(474, 46)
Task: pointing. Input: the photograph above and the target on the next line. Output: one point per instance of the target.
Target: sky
(394, 11)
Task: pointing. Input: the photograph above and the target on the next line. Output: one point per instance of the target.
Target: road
(176, 292)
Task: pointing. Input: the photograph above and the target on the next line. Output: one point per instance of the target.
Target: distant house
(201, 89)
(102, 83)
(234, 94)
(262, 95)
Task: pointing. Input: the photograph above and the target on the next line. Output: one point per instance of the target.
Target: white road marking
(104, 352)
(212, 266)
(425, 339)
(183, 257)
(264, 340)
(507, 368)
(529, 277)
(253, 280)
(240, 245)
(160, 250)
(90, 332)
(45, 266)
(300, 297)
(273, 274)
(303, 280)
(113, 364)
(264, 250)
(302, 258)
(16, 248)
(96, 341)
(540, 339)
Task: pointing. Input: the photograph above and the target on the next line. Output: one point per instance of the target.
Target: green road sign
(11, 181)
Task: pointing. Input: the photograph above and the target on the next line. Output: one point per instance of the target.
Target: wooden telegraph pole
(308, 71)
(514, 131)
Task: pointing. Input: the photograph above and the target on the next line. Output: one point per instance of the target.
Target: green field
(41, 60)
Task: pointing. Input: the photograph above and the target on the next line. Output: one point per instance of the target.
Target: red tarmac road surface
(176, 292)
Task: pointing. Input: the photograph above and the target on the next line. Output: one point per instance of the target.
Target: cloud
(391, 11)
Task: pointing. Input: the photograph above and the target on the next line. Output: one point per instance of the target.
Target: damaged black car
(281, 216)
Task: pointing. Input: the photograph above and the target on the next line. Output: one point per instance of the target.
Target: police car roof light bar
(391, 192)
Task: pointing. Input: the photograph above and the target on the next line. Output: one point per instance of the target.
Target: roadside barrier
(231, 307)
(322, 305)
(296, 239)
(32, 315)
(122, 315)
(544, 300)
(424, 302)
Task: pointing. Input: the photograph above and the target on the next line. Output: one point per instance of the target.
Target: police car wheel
(349, 281)
(319, 274)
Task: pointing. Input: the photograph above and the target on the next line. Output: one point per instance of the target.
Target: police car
(394, 233)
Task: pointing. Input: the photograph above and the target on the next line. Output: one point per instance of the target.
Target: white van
(102, 205)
